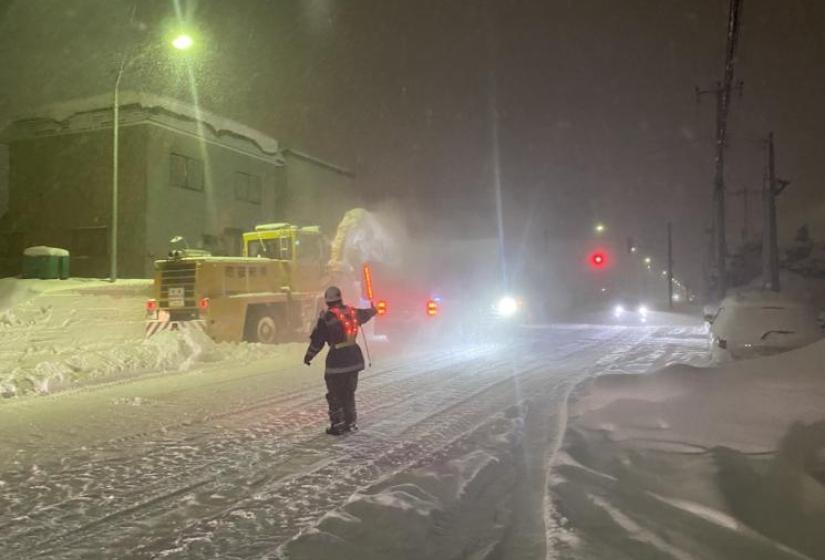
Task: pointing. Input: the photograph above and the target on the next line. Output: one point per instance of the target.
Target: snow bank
(60, 334)
(714, 459)
(15, 291)
(693, 406)
(43, 251)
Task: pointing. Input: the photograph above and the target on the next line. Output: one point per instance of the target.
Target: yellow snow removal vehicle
(270, 294)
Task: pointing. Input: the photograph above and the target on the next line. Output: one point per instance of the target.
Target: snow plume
(361, 237)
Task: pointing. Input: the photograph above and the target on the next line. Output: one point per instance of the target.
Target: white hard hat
(332, 294)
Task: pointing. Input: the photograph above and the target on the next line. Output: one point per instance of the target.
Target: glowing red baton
(368, 283)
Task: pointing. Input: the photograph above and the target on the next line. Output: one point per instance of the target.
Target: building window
(90, 242)
(186, 172)
(248, 187)
(232, 240)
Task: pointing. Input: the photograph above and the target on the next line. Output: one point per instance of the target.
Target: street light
(648, 260)
(600, 228)
(181, 42)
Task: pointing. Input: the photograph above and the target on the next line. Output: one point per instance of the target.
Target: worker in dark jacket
(338, 327)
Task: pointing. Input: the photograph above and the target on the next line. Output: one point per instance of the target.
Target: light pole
(181, 42)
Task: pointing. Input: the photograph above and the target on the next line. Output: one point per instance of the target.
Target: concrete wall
(60, 195)
(214, 217)
(317, 194)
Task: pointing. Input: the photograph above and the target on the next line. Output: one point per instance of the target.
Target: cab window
(308, 247)
(279, 248)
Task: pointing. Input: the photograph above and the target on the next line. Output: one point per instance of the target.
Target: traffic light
(598, 259)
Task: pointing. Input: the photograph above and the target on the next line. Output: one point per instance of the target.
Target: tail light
(151, 305)
(381, 307)
(432, 308)
(203, 303)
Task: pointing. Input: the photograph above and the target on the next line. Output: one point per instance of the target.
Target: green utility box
(46, 263)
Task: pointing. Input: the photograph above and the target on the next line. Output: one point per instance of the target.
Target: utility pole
(746, 211)
(772, 188)
(723, 92)
(670, 266)
(115, 160)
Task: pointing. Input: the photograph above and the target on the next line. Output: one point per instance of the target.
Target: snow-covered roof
(64, 111)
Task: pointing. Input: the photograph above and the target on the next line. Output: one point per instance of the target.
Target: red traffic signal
(598, 259)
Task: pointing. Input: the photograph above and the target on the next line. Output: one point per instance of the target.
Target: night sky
(597, 114)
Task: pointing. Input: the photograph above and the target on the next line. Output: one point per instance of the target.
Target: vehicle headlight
(507, 306)
(642, 310)
(618, 311)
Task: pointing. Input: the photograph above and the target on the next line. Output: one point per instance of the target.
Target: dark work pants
(341, 398)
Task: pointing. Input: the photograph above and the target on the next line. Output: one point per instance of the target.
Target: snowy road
(232, 463)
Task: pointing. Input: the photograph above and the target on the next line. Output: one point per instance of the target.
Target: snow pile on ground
(456, 507)
(725, 462)
(59, 334)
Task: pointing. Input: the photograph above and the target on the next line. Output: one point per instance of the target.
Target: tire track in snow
(300, 445)
(299, 422)
(383, 456)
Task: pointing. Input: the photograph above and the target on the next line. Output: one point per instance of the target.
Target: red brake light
(151, 305)
(432, 308)
(381, 307)
(203, 303)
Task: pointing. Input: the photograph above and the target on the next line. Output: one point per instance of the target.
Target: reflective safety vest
(348, 319)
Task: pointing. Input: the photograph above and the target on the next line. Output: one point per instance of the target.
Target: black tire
(266, 330)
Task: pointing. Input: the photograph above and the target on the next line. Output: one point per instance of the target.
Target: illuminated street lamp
(648, 260)
(181, 42)
(600, 228)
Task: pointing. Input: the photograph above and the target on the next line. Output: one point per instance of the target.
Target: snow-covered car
(630, 309)
(761, 324)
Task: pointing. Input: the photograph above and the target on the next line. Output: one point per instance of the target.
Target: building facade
(182, 173)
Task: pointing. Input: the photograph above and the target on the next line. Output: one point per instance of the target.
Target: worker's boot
(337, 429)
